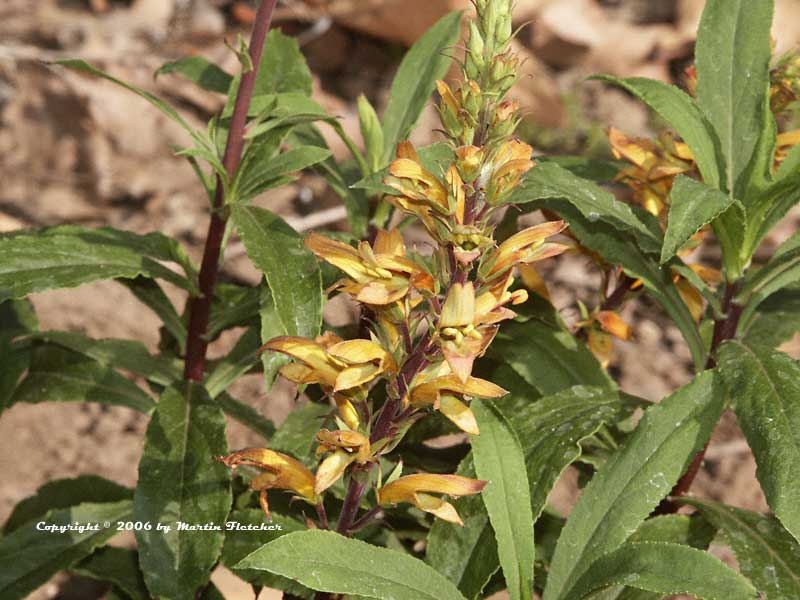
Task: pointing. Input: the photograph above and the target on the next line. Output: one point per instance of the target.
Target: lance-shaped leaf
(149, 293)
(16, 317)
(666, 569)
(64, 493)
(31, 555)
(199, 71)
(549, 430)
(765, 552)
(694, 204)
(764, 386)
(68, 256)
(621, 249)
(549, 181)
(769, 207)
(130, 355)
(59, 375)
(679, 110)
(271, 327)
(547, 358)
(328, 562)
(782, 271)
(416, 77)
(240, 360)
(246, 415)
(295, 436)
(776, 321)
(291, 270)
(256, 178)
(498, 458)
(118, 566)
(635, 479)
(179, 482)
(732, 58)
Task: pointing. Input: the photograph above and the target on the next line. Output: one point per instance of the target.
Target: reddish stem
(200, 307)
(724, 329)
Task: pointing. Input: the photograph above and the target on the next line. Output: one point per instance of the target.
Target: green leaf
(295, 436)
(768, 208)
(694, 204)
(593, 169)
(765, 390)
(551, 430)
(271, 327)
(31, 556)
(435, 157)
(233, 306)
(635, 479)
(291, 270)
(328, 562)
(765, 552)
(68, 256)
(119, 566)
(416, 77)
(64, 493)
(498, 458)
(621, 249)
(257, 179)
(732, 56)
(16, 317)
(199, 71)
(781, 271)
(59, 375)
(246, 415)
(130, 355)
(179, 482)
(692, 531)
(241, 542)
(283, 67)
(549, 359)
(371, 131)
(151, 295)
(166, 109)
(680, 110)
(240, 360)
(666, 569)
(776, 320)
(549, 181)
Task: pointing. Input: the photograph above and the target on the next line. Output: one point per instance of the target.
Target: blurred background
(80, 150)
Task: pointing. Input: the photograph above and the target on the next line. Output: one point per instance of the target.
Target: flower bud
(469, 160)
(474, 61)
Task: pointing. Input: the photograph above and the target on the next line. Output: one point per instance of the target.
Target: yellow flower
(414, 490)
(379, 274)
(786, 141)
(445, 394)
(421, 190)
(282, 472)
(524, 247)
(341, 367)
(653, 167)
(601, 327)
(509, 163)
(346, 447)
(467, 326)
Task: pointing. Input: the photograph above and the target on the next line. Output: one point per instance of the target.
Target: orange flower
(414, 490)
(345, 447)
(379, 274)
(509, 163)
(524, 247)
(282, 472)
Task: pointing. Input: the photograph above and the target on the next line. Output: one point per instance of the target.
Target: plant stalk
(724, 329)
(200, 307)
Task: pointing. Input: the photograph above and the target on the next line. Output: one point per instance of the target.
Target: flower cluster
(428, 317)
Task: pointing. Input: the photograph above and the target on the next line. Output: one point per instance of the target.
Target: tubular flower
(421, 190)
(525, 247)
(505, 170)
(417, 489)
(282, 472)
(460, 334)
(346, 447)
(653, 167)
(341, 367)
(379, 274)
(446, 393)
(786, 141)
(601, 327)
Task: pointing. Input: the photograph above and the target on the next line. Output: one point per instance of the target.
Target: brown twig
(200, 307)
